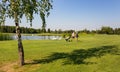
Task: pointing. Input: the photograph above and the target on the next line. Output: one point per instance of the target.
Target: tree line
(103, 30)
(11, 29)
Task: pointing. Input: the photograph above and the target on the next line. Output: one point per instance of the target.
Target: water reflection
(39, 37)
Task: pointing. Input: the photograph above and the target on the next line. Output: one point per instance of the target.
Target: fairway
(92, 53)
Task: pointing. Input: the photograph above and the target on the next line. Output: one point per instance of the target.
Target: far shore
(40, 34)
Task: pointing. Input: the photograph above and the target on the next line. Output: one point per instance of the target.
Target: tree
(106, 30)
(49, 31)
(15, 9)
(117, 31)
(43, 30)
(59, 31)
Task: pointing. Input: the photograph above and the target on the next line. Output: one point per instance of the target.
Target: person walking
(73, 35)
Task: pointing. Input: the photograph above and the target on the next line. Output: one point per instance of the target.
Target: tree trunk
(20, 46)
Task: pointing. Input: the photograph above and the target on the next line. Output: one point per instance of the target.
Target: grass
(92, 53)
(5, 37)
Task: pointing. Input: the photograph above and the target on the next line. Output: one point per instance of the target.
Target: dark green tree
(117, 31)
(106, 30)
(49, 31)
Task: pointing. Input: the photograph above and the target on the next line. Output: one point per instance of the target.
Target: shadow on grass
(79, 56)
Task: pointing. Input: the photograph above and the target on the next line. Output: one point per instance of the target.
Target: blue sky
(79, 14)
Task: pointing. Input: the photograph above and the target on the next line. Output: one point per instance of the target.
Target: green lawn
(92, 53)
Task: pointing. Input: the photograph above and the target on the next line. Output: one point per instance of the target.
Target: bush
(66, 35)
(5, 37)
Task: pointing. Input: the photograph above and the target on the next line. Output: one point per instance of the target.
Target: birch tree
(15, 9)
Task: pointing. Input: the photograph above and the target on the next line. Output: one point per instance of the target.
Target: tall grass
(5, 37)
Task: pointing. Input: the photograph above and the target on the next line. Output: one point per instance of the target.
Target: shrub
(5, 37)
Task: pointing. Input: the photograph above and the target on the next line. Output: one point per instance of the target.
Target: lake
(39, 37)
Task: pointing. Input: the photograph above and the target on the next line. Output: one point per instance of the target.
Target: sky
(78, 15)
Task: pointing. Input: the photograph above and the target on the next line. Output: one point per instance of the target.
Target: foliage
(49, 30)
(5, 37)
(11, 29)
(107, 30)
(64, 35)
(103, 30)
(17, 8)
(117, 31)
(85, 31)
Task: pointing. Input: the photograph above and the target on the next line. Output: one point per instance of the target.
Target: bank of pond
(5, 37)
(11, 36)
(29, 37)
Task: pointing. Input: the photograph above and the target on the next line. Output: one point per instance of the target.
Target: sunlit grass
(92, 53)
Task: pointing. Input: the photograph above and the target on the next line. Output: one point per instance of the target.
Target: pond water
(39, 37)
